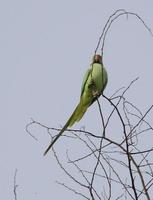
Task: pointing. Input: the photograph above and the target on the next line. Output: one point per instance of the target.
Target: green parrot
(93, 85)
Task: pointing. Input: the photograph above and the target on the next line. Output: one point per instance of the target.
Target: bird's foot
(93, 89)
(95, 93)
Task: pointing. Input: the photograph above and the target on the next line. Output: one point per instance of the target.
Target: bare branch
(15, 185)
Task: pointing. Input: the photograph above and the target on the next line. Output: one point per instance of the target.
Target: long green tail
(76, 116)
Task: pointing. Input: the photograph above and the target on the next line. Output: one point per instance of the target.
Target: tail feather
(76, 116)
(52, 142)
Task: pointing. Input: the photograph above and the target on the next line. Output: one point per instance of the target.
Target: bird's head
(97, 59)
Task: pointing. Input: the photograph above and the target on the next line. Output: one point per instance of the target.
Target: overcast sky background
(45, 48)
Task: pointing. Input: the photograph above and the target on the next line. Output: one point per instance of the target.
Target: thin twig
(15, 185)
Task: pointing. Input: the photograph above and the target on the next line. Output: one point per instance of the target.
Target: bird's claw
(93, 89)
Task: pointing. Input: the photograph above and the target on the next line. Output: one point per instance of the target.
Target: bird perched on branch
(93, 85)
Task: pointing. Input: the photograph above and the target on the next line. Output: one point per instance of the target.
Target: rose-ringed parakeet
(93, 85)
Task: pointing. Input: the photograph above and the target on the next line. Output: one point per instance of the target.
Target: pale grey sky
(45, 48)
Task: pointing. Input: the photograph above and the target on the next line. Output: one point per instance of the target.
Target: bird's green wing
(85, 80)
